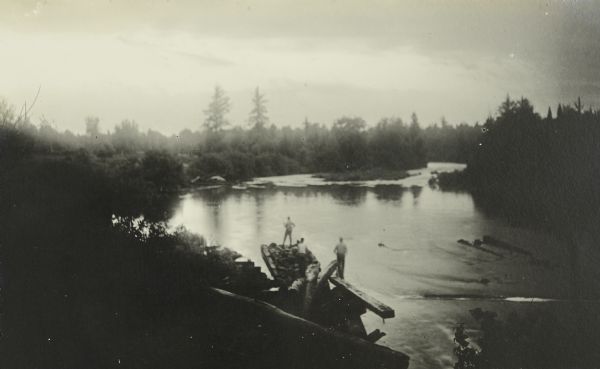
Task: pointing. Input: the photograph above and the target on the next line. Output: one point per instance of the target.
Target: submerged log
(489, 240)
(477, 246)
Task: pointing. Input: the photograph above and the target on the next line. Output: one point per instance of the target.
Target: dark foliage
(535, 170)
(534, 340)
(85, 281)
(446, 143)
(541, 170)
(451, 181)
(240, 154)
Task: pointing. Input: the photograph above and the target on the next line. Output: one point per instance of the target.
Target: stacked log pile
(286, 264)
(243, 277)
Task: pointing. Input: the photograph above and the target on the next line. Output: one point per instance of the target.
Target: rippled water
(422, 272)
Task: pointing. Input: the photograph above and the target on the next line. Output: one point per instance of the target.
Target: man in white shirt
(340, 251)
(289, 227)
(301, 247)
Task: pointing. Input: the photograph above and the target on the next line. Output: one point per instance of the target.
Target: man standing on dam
(340, 251)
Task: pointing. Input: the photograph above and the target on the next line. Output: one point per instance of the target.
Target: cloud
(311, 57)
(166, 47)
(37, 9)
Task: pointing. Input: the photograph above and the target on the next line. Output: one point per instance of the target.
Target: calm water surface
(421, 261)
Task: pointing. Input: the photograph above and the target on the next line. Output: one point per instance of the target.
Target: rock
(464, 242)
(217, 179)
(480, 314)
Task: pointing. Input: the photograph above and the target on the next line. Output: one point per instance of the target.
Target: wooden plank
(372, 304)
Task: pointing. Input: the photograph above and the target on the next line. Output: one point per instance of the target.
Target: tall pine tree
(216, 111)
(258, 118)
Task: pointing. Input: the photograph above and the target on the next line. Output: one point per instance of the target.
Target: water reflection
(422, 233)
(259, 202)
(348, 195)
(416, 192)
(421, 256)
(343, 195)
(388, 192)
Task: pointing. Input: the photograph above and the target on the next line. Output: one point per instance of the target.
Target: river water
(421, 271)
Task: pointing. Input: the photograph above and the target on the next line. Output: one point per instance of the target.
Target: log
(477, 247)
(324, 277)
(268, 258)
(489, 240)
(372, 304)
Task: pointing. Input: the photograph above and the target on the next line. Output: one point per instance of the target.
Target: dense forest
(259, 149)
(537, 169)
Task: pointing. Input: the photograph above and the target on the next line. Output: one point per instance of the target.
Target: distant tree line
(262, 148)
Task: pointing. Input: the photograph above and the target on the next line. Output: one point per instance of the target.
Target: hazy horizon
(157, 62)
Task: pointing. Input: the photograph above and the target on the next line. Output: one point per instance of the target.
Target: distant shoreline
(363, 175)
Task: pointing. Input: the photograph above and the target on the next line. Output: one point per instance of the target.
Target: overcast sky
(157, 61)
